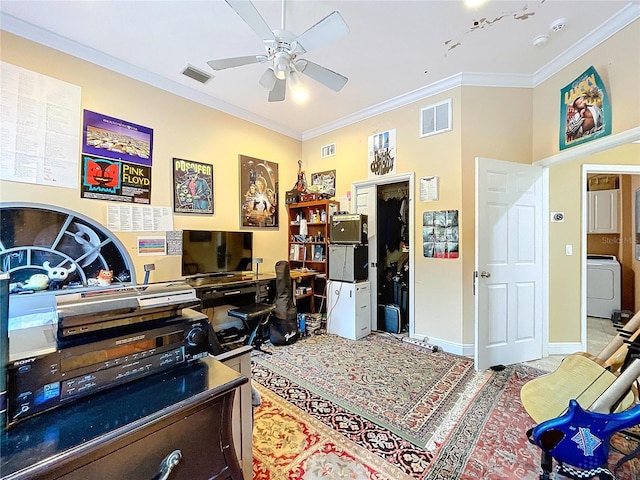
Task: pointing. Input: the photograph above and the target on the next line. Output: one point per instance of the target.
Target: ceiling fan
(283, 50)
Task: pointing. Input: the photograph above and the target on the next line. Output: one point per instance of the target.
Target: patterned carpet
(399, 386)
(300, 434)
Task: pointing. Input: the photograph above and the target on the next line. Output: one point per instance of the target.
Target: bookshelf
(308, 252)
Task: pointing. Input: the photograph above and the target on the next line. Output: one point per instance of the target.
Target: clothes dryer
(603, 285)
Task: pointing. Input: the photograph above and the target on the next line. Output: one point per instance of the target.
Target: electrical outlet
(557, 217)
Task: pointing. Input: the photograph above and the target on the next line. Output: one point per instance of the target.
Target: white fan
(284, 50)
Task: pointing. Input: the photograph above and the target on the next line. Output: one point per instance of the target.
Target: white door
(365, 201)
(509, 279)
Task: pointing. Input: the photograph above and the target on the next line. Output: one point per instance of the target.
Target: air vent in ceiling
(197, 75)
(435, 118)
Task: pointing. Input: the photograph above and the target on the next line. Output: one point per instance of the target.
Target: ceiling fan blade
(327, 77)
(236, 61)
(247, 11)
(278, 92)
(268, 79)
(327, 30)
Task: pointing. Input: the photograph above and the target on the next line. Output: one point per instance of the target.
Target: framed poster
(440, 234)
(116, 139)
(382, 154)
(116, 181)
(585, 110)
(192, 187)
(258, 193)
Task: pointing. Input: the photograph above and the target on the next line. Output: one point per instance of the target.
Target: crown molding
(617, 22)
(616, 140)
(454, 81)
(613, 25)
(39, 35)
(620, 20)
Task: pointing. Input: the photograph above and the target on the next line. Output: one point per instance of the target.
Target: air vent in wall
(197, 75)
(328, 151)
(435, 118)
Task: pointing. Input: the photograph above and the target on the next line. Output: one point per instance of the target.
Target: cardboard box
(602, 182)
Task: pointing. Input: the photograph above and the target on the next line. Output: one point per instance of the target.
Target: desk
(127, 431)
(238, 288)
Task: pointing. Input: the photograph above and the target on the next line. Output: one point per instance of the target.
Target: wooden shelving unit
(310, 252)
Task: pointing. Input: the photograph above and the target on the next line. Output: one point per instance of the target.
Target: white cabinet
(349, 309)
(603, 211)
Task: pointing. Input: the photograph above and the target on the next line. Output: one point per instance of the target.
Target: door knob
(484, 274)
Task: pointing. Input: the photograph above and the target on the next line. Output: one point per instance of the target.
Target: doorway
(367, 197)
(608, 244)
(392, 225)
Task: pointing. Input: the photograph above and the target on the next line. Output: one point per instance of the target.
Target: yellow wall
(617, 60)
(493, 127)
(514, 124)
(482, 126)
(565, 195)
(181, 129)
(438, 282)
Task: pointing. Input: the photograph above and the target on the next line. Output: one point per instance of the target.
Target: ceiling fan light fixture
(281, 65)
(268, 79)
(298, 92)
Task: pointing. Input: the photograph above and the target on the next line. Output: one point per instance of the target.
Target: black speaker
(348, 263)
(350, 228)
(4, 346)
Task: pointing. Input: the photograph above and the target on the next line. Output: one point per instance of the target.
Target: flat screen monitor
(206, 252)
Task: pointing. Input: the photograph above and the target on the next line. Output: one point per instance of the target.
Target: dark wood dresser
(182, 417)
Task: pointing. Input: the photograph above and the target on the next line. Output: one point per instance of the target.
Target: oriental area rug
(302, 434)
(397, 385)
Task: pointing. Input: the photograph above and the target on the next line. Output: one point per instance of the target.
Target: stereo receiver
(41, 375)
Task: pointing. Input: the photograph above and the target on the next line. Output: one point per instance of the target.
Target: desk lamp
(257, 261)
(149, 267)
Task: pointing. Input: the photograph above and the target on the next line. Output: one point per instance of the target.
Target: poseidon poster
(585, 111)
(192, 187)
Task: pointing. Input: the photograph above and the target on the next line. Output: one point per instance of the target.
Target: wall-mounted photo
(382, 154)
(585, 111)
(117, 139)
(324, 183)
(192, 187)
(440, 234)
(258, 193)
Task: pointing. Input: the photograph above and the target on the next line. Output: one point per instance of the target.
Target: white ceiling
(396, 51)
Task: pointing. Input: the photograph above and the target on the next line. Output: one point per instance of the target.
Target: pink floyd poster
(116, 139)
(585, 110)
(107, 179)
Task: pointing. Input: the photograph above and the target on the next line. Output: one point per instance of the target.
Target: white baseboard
(468, 350)
(465, 350)
(564, 348)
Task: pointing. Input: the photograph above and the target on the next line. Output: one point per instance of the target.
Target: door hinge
(475, 277)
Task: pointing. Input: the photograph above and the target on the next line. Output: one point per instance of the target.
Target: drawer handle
(235, 292)
(167, 465)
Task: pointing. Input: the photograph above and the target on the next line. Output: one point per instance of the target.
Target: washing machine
(603, 285)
